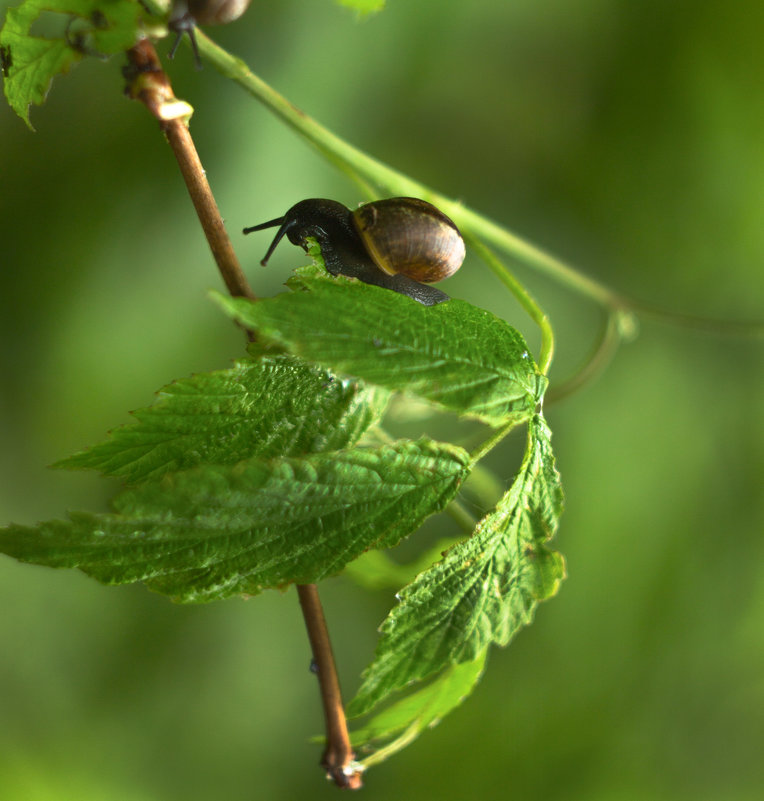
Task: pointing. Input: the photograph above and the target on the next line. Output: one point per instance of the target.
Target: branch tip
(338, 759)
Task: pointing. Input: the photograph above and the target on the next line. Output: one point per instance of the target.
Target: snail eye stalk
(285, 226)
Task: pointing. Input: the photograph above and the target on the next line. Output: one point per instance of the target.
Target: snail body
(400, 243)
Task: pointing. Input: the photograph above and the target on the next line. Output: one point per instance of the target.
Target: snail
(401, 243)
(187, 14)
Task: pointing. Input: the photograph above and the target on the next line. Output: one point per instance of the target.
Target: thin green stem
(748, 329)
(398, 744)
(374, 177)
(614, 332)
(360, 165)
(491, 443)
(524, 298)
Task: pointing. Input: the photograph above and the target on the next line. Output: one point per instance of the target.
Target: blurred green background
(625, 137)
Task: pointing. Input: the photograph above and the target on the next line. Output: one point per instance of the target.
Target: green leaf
(31, 62)
(214, 532)
(398, 725)
(271, 406)
(453, 354)
(482, 591)
(363, 7)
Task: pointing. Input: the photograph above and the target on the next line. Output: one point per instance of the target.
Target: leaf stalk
(610, 339)
(524, 298)
(490, 443)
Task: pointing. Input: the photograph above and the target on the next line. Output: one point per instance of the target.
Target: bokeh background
(625, 137)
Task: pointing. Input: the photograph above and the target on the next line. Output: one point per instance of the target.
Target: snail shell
(410, 236)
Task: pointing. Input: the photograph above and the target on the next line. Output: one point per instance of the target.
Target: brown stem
(179, 137)
(338, 758)
(147, 82)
